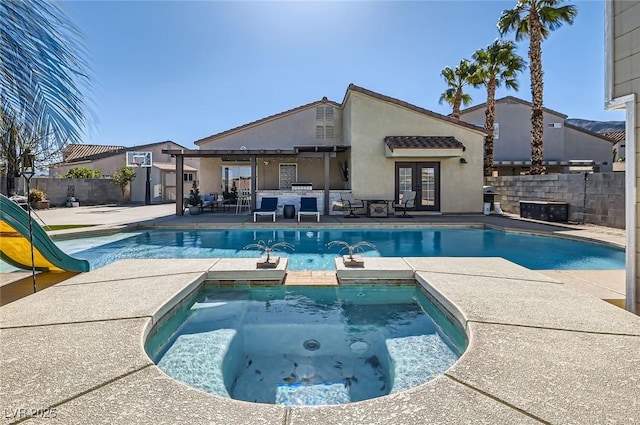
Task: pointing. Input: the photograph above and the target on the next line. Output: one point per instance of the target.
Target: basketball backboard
(139, 159)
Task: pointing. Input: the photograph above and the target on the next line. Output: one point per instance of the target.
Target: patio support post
(253, 182)
(326, 182)
(179, 185)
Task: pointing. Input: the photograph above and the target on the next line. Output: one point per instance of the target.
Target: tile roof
(325, 101)
(511, 99)
(77, 152)
(616, 136)
(589, 132)
(81, 152)
(423, 142)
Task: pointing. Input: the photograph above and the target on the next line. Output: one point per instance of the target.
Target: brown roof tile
(422, 142)
(76, 152)
(616, 136)
(589, 132)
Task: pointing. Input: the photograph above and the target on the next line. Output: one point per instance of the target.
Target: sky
(184, 70)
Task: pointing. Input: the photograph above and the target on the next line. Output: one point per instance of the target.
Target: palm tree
(497, 64)
(457, 78)
(42, 71)
(536, 19)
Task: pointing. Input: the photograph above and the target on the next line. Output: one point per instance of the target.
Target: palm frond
(42, 70)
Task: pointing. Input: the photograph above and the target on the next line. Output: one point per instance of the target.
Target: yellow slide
(15, 247)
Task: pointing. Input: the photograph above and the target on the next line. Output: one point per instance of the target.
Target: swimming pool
(307, 345)
(311, 251)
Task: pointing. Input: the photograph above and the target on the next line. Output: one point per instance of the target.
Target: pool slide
(15, 248)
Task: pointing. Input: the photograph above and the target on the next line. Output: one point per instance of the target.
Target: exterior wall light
(463, 161)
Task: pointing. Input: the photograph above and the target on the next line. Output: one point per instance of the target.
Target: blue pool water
(311, 251)
(306, 345)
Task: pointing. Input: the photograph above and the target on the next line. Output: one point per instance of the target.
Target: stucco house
(566, 146)
(372, 145)
(107, 159)
(622, 91)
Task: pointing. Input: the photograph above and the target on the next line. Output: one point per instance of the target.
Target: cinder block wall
(88, 191)
(597, 200)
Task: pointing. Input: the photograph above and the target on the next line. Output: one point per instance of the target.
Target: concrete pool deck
(539, 351)
(606, 284)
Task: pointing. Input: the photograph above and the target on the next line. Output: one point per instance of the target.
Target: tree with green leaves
(497, 64)
(457, 78)
(536, 19)
(83, 173)
(123, 176)
(42, 73)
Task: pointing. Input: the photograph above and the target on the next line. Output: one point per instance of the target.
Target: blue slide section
(15, 248)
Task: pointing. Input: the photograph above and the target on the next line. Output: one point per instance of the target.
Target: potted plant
(38, 199)
(195, 200)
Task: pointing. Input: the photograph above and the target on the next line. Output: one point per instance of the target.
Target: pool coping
(539, 352)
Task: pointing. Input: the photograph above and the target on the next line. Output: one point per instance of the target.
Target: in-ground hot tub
(306, 345)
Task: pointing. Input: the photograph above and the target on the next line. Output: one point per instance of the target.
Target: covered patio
(253, 157)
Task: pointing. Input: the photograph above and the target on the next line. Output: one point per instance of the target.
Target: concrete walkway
(539, 352)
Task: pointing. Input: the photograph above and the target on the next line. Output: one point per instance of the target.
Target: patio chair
(268, 206)
(406, 202)
(309, 206)
(349, 201)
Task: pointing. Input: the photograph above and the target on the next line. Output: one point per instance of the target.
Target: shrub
(123, 176)
(83, 173)
(37, 195)
(194, 195)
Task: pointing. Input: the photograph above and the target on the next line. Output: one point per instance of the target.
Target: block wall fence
(88, 191)
(596, 198)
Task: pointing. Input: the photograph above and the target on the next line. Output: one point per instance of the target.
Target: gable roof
(402, 103)
(323, 101)
(589, 132)
(79, 152)
(512, 99)
(76, 152)
(422, 142)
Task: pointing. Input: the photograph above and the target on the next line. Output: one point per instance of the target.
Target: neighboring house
(107, 159)
(619, 146)
(565, 145)
(373, 145)
(622, 91)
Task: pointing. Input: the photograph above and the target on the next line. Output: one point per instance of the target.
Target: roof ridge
(419, 109)
(324, 100)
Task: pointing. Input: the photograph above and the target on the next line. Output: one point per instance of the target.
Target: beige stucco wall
(579, 145)
(284, 132)
(373, 174)
(288, 130)
(624, 77)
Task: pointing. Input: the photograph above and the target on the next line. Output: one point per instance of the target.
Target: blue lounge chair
(268, 206)
(309, 206)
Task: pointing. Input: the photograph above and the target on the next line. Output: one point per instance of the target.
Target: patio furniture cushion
(268, 206)
(309, 206)
(406, 202)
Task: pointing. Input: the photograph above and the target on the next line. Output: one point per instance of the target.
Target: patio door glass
(424, 179)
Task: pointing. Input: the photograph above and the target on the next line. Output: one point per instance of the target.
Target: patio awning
(245, 154)
(421, 146)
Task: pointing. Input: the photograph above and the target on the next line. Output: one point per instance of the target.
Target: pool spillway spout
(350, 260)
(268, 247)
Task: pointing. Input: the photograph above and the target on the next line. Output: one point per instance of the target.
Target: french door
(424, 179)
